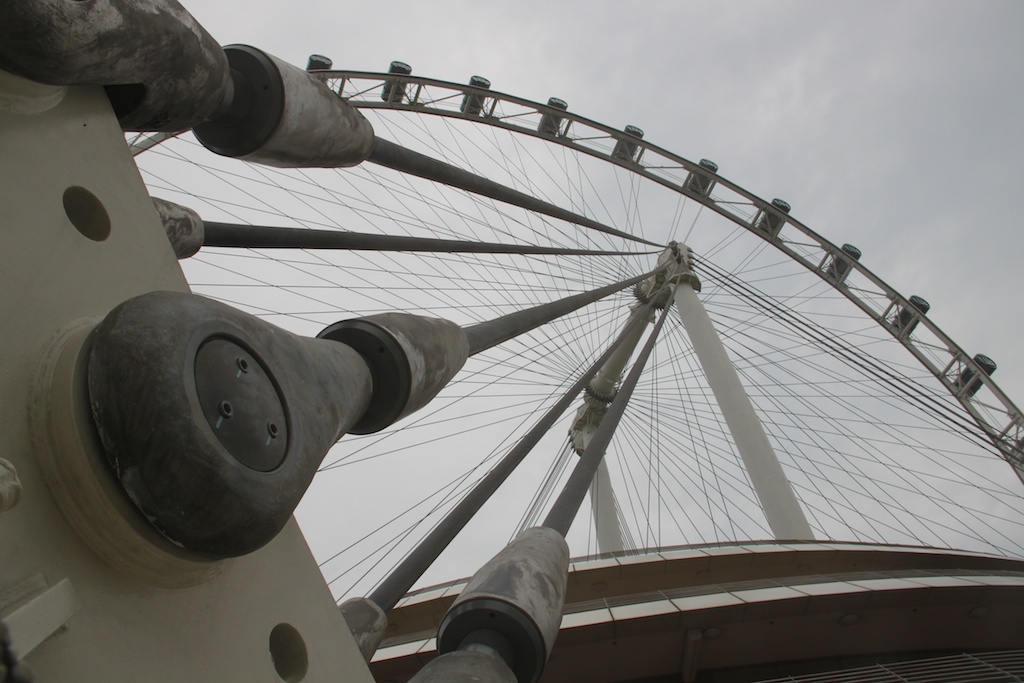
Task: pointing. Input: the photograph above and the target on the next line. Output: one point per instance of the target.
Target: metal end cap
(389, 366)
(505, 618)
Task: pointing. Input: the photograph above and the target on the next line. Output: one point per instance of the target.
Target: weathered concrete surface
(184, 227)
(54, 276)
(161, 69)
(367, 622)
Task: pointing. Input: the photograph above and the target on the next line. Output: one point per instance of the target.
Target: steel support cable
(841, 430)
(725, 481)
(398, 583)
(564, 510)
(727, 452)
(448, 174)
(914, 489)
(795, 421)
(406, 243)
(797, 454)
(483, 336)
(425, 418)
(468, 225)
(399, 158)
(542, 495)
(265, 237)
(447, 152)
(506, 231)
(905, 386)
(453, 494)
(812, 333)
(893, 431)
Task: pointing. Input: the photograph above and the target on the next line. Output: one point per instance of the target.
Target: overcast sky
(895, 126)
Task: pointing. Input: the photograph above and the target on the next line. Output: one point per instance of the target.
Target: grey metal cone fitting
(367, 622)
(214, 421)
(161, 69)
(465, 666)
(519, 593)
(412, 358)
(183, 226)
(279, 115)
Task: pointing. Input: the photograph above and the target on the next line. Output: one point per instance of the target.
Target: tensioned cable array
(677, 475)
(824, 339)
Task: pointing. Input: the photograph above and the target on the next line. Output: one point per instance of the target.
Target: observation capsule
(549, 121)
(906, 317)
(625, 149)
(394, 89)
(318, 63)
(839, 265)
(771, 219)
(701, 183)
(473, 103)
(987, 365)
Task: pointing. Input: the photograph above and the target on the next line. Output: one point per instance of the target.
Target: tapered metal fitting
(279, 115)
(367, 622)
(184, 227)
(183, 390)
(520, 594)
(412, 358)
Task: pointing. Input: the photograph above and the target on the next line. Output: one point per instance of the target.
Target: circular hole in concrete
(288, 650)
(86, 213)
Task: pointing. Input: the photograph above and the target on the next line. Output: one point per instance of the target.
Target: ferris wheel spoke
(407, 161)
(262, 237)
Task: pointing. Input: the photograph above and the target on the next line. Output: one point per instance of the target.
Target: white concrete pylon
(605, 509)
(773, 490)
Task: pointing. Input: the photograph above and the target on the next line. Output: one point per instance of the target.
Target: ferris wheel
(882, 427)
(441, 324)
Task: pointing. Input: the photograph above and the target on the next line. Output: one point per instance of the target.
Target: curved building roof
(751, 612)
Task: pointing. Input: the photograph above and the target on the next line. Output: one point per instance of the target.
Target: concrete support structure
(785, 517)
(605, 509)
(84, 237)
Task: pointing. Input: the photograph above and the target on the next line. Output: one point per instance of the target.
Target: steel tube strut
(405, 160)
(483, 336)
(564, 510)
(263, 237)
(398, 583)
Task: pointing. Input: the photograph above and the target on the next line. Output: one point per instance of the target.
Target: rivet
(225, 409)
